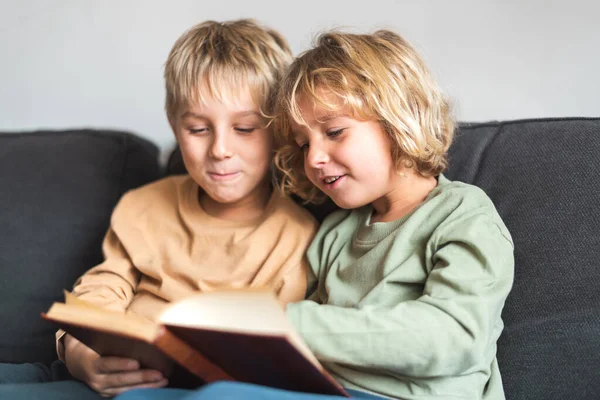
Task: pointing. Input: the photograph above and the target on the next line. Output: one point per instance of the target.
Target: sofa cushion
(57, 191)
(544, 177)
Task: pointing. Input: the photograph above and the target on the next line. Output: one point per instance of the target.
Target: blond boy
(220, 226)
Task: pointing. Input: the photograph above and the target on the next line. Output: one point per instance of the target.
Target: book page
(235, 310)
(251, 311)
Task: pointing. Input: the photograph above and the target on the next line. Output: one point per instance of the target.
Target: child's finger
(149, 385)
(107, 365)
(126, 379)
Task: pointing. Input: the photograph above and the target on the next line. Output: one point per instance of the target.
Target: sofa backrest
(57, 192)
(544, 178)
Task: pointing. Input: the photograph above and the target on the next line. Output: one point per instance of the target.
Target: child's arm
(446, 331)
(112, 283)
(297, 279)
(294, 284)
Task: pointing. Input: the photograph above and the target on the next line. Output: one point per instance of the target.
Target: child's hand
(108, 376)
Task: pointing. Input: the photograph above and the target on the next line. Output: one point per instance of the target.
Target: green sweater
(411, 309)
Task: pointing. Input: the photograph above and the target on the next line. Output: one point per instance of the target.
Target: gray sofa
(57, 190)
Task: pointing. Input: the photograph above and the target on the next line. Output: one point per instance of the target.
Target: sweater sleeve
(294, 284)
(110, 284)
(446, 331)
(297, 278)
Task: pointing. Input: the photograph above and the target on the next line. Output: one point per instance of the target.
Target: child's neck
(247, 209)
(408, 192)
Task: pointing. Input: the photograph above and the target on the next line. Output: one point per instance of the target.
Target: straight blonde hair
(221, 58)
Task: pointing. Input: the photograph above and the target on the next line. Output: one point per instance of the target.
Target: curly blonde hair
(222, 57)
(378, 77)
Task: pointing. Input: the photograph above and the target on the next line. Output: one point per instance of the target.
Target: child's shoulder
(463, 203)
(462, 197)
(160, 194)
(165, 188)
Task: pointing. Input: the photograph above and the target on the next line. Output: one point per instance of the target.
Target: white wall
(76, 63)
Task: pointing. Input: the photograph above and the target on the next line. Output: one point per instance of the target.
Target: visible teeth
(331, 179)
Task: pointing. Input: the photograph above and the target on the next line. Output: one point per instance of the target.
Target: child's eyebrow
(247, 113)
(191, 114)
(329, 117)
(239, 114)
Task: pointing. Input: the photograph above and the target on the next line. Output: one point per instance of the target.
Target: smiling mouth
(332, 179)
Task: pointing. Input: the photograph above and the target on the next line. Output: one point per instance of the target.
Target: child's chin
(348, 204)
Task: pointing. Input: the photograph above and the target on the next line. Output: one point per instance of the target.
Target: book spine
(189, 358)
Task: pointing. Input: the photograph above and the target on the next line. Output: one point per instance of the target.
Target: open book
(240, 335)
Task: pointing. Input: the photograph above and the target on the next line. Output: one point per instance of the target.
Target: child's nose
(317, 156)
(220, 148)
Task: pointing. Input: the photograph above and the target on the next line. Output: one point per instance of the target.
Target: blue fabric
(62, 390)
(40, 381)
(33, 372)
(24, 373)
(234, 390)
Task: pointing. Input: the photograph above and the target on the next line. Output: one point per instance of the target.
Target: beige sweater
(162, 246)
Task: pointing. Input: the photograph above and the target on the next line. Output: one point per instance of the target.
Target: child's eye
(335, 133)
(302, 145)
(245, 130)
(196, 131)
